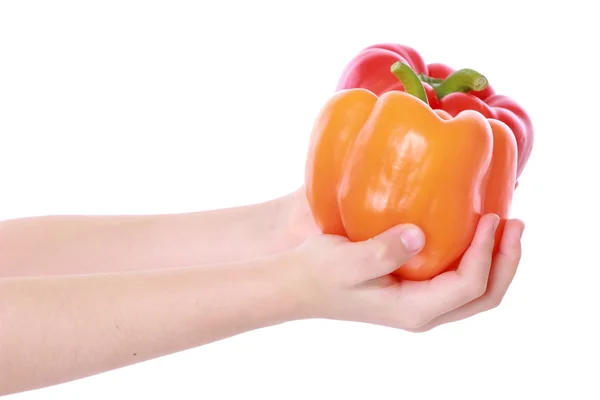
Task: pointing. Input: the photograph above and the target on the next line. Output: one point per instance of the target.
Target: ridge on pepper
(376, 161)
(370, 69)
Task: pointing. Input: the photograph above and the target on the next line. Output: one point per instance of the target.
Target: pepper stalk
(462, 81)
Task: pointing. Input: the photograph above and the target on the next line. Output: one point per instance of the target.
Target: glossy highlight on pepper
(378, 161)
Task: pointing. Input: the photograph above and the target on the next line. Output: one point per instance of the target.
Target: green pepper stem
(410, 80)
(463, 80)
(430, 80)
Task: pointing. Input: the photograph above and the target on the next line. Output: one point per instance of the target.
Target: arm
(89, 244)
(60, 328)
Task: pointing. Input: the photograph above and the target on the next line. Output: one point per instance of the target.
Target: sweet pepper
(370, 69)
(378, 161)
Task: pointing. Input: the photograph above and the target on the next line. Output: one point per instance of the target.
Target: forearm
(60, 328)
(88, 244)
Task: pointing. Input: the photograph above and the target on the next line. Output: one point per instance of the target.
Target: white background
(156, 107)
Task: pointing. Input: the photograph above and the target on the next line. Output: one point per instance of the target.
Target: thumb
(387, 251)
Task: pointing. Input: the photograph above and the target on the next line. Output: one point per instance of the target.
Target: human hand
(351, 281)
(299, 223)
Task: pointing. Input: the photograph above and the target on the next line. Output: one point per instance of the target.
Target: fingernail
(496, 223)
(412, 238)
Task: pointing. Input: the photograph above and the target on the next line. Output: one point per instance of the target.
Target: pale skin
(84, 295)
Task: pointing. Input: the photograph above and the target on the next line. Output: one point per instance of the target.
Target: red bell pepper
(370, 69)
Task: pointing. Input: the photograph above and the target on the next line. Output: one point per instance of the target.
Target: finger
(454, 289)
(386, 252)
(477, 260)
(504, 268)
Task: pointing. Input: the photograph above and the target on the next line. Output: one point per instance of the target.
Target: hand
(351, 281)
(298, 221)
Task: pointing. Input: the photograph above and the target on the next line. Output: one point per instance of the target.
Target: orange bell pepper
(375, 162)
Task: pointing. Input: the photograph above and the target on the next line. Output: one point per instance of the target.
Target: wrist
(293, 292)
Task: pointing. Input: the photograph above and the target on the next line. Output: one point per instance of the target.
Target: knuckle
(473, 289)
(484, 248)
(479, 288)
(494, 302)
(383, 254)
(514, 258)
(415, 321)
(514, 247)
